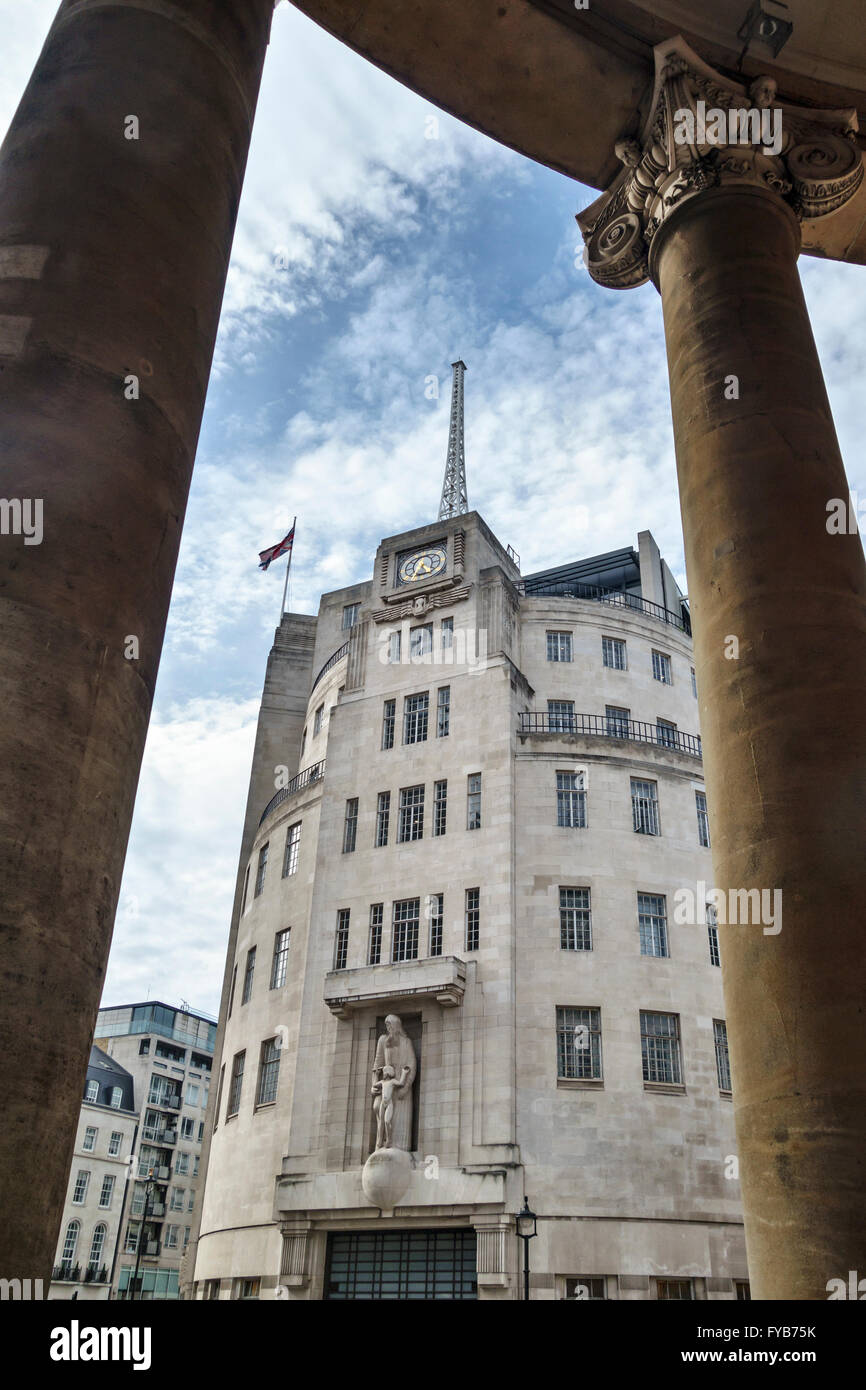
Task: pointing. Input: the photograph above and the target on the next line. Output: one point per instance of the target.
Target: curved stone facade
(566, 1021)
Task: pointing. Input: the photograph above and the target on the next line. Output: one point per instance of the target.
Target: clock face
(421, 564)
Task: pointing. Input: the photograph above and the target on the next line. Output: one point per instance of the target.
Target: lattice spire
(454, 500)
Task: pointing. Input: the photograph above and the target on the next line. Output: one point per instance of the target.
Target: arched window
(70, 1242)
(116, 1097)
(92, 1092)
(96, 1246)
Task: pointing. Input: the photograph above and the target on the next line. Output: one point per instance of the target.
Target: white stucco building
(493, 795)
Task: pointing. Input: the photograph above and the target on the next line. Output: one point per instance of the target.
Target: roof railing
(610, 726)
(303, 779)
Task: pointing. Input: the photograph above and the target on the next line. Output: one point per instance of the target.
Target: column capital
(705, 131)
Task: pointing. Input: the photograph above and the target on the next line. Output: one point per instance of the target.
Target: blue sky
(378, 239)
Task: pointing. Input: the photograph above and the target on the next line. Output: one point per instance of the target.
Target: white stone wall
(629, 1181)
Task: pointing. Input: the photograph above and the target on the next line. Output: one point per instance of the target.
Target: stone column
(119, 186)
(780, 640)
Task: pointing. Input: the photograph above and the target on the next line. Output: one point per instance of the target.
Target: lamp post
(526, 1229)
(148, 1188)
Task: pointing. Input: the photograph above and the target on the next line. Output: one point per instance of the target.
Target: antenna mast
(454, 501)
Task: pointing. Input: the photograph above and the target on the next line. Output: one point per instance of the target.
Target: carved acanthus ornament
(816, 169)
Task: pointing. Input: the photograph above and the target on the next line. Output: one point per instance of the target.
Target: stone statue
(387, 1092)
(395, 1056)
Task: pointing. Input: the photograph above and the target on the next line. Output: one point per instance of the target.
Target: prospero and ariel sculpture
(388, 1170)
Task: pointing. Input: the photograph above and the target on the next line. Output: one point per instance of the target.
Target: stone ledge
(443, 977)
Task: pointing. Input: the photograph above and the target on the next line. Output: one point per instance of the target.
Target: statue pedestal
(385, 1177)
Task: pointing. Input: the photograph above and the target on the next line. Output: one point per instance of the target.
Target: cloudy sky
(379, 239)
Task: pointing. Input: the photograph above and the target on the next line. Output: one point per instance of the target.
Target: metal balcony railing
(303, 779)
(332, 661)
(606, 726)
(615, 597)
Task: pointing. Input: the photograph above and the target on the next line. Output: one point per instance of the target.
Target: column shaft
(783, 722)
(113, 256)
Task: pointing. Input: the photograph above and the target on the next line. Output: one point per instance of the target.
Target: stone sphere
(386, 1176)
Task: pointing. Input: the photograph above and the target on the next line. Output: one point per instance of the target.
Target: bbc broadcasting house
(454, 981)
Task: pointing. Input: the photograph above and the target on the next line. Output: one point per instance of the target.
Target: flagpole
(288, 567)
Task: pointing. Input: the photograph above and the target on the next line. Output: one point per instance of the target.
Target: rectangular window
(317, 720)
(421, 642)
(575, 922)
(571, 800)
(171, 1237)
(743, 1290)
(108, 1181)
(269, 1072)
(559, 646)
(193, 1094)
(404, 929)
(374, 950)
(81, 1183)
(662, 668)
(645, 807)
(246, 889)
(473, 919)
(187, 1126)
(341, 944)
(89, 1143)
(613, 653)
(723, 1064)
(440, 807)
(216, 1113)
(473, 801)
(660, 1048)
(114, 1143)
(292, 850)
(395, 648)
(280, 962)
(447, 633)
(248, 975)
(411, 817)
(578, 1044)
(652, 917)
(388, 719)
(177, 1198)
(703, 819)
(181, 1164)
(436, 909)
(560, 716)
(383, 818)
(260, 872)
(350, 615)
(694, 683)
(237, 1082)
(618, 721)
(666, 733)
(232, 990)
(350, 827)
(675, 1290)
(415, 709)
(713, 935)
(443, 712)
(586, 1289)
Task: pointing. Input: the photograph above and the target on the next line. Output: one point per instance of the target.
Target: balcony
(303, 779)
(606, 726)
(616, 598)
(442, 977)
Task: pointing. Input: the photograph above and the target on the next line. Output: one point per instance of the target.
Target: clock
(421, 564)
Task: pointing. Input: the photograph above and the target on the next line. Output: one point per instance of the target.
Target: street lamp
(527, 1222)
(148, 1189)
